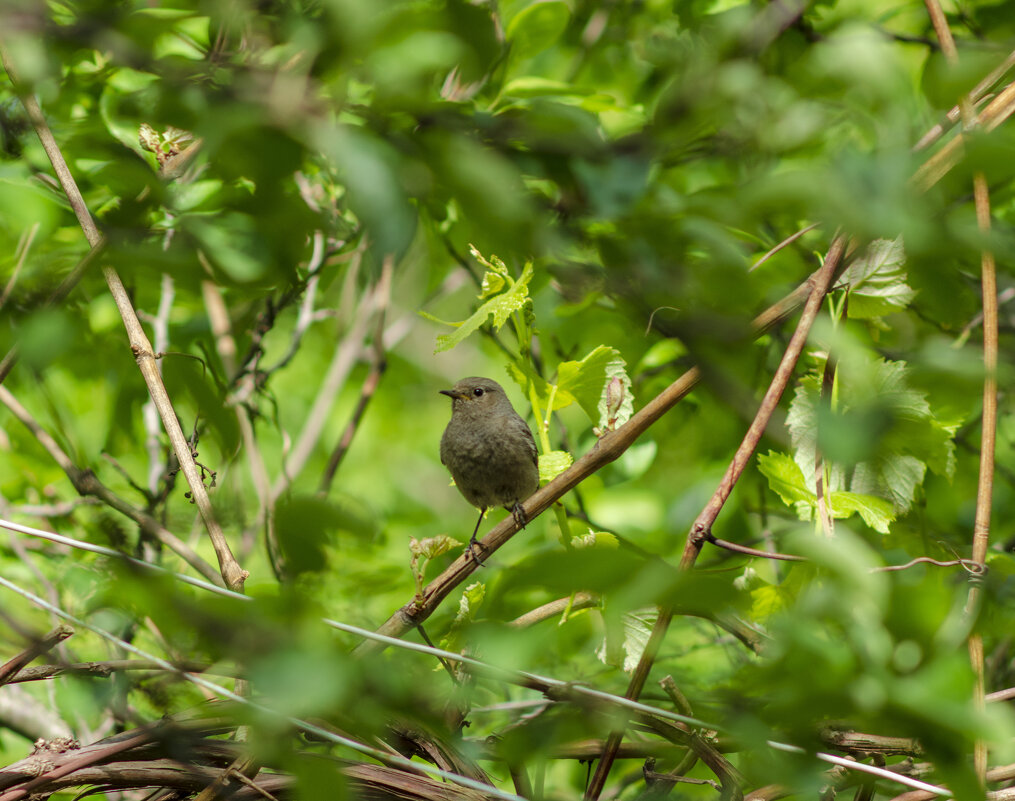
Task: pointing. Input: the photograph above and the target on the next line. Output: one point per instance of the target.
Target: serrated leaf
(429, 547)
(912, 439)
(877, 281)
(554, 463)
(472, 598)
(876, 512)
(499, 308)
(637, 629)
(785, 477)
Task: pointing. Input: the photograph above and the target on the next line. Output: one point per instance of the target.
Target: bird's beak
(453, 395)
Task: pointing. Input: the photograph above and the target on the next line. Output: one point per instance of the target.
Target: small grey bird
(489, 450)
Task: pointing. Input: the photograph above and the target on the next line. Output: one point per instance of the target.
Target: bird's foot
(518, 513)
(472, 548)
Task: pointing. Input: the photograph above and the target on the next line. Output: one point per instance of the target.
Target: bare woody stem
(819, 285)
(45, 643)
(607, 449)
(988, 423)
(232, 573)
(87, 485)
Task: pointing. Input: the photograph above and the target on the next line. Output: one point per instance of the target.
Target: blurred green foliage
(591, 187)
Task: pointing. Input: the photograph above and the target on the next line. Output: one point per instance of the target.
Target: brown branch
(75, 763)
(819, 284)
(45, 643)
(87, 483)
(580, 600)
(988, 425)
(232, 573)
(990, 117)
(975, 96)
(103, 670)
(378, 366)
(860, 743)
(731, 779)
(988, 436)
(789, 240)
(607, 449)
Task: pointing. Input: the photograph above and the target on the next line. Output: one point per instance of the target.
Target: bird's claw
(472, 549)
(518, 513)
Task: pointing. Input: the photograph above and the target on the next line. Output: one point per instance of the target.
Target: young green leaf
(554, 463)
(499, 306)
(877, 281)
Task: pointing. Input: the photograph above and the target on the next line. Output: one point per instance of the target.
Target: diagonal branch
(607, 449)
(231, 571)
(45, 643)
(819, 284)
(88, 484)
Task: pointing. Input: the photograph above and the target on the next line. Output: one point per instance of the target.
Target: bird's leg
(518, 513)
(472, 540)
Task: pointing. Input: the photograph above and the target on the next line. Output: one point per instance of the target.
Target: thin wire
(99, 549)
(875, 771)
(408, 646)
(524, 675)
(218, 689)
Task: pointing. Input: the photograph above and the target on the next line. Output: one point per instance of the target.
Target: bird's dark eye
(478, 392)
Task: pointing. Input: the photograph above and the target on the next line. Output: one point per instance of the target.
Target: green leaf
(534, 86)
(537, 27)
(585, 381)
(499, 307)
(492, 284)
(889, 425)
(637, 630)
(767, 600)
(877, 281)
(616, 402)
(431, 547)
(554, 463)
(595, 539)
(470, 602)
(785, 478)
(876, 512)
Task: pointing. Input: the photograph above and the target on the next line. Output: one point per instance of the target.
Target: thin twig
(232, 573)
(789, 240)
(342, 362)
(104, 670)
(87, 483)
(24, 245)
(378, 366)
(989, 117)
(975, 97)
(44, 644)
(608, 448)
(149, 413)
(580, 600)
(305, 315)
(988, 425)
(819, 284)
(61, 292)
